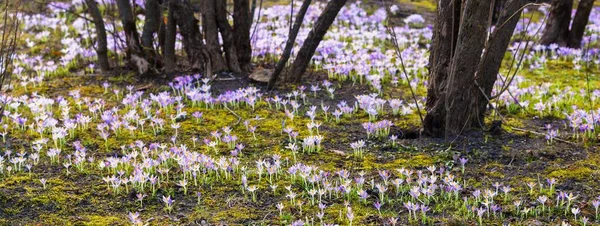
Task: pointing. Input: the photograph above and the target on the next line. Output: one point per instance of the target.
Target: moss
(513, 122)
(59, 195)
(59, 182)
(53, 219)
(12, 210)
(428, 5)
(93, 220)
(14, 180)
(270, 3)
(534, 15)
(593, 160)
(495, 174)
(493, 170)
(125, 78)
(583, 170)
(574, 172)
(420, 160)
(91, 91)
(407, 122)
(235, 214)
(555, 72)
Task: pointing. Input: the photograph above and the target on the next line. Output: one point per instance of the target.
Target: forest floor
(514, 156)
(510, 158)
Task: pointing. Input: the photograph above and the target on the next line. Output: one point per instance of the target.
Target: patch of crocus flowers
(151, 168)
(68, 131)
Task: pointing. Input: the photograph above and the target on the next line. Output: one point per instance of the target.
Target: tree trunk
(314, 38)
(557, 27)
(198, 56)
(579, 23)
(134, 51)
(498, 9)
(102, 46)
(290, 43)
(242, 21)
(489, 66)
(252, 11)
(162, 31)
(460, 91)
(227, 35)
(151, 23)
(444, 36)
(211, 33)
(169, 40)
(458, 7)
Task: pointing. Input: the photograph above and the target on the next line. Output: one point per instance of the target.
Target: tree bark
(252, 11)
(290, 43)
(169, 40)
(498, 9)
(557, 27)
(458, 7)
(314, 38)
(198, 56)
(151, 23)
(211, 33)
(489, 66)
(227, 35)
(102, 46)
(580, 21)
(134, 51)
(162, 31)
(469, 47)
(242, 21)
(444, 36)
(458, 92)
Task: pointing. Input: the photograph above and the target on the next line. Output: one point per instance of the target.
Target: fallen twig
(538, 133)
(236, 115)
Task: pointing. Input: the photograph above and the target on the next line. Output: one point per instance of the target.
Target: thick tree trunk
(102, 46)
(227, 35)
(579, 23)
(162, 31)
(489, 66)
(252, 10)
(314, 38)
(498, 9)
(458, 91)
(444, 36)
(198, 56)
(151, 23)
(115, 35)
(469, 47)
(134, 48)
(290, 43)
(211, 34)
(242, 21)
(458, 7)
(557, 27)
(169, 40)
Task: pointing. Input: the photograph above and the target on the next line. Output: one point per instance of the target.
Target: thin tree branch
(392, 33)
